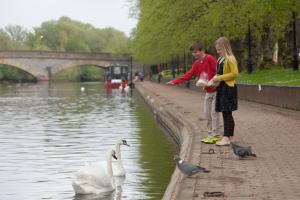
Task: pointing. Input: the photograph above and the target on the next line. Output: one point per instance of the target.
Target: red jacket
(208, 65)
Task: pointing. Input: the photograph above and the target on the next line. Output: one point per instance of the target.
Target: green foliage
(266, 63)
(4, 40)
(65, 34)
(82, 73)
(12, 40)
(70, 74)
(166, 28)
(12, 74)
(91, 73)
(16, 33)
(74, 36)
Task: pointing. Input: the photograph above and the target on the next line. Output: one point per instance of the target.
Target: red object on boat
(116, 83)
(124, 83)
(108, 84)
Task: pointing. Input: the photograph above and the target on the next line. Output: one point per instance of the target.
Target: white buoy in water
(82, 89)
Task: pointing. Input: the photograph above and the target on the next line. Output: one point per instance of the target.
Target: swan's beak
(115, 157)
(124, 142)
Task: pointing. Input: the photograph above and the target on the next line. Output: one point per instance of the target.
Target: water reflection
(156, 157)
(48, 131)
(115, 195)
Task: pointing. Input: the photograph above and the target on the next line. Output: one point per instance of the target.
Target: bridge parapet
(60, 55)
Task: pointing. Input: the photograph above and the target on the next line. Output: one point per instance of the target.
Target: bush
(13, 74)
(266, 63)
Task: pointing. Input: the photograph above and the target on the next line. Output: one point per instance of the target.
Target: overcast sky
(99, 13)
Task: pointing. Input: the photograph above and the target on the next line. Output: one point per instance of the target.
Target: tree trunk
(267, 47)
(239, 52)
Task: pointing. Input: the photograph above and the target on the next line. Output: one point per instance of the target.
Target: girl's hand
(215, 78)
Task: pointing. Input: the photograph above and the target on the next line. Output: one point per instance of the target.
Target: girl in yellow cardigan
(226, 100)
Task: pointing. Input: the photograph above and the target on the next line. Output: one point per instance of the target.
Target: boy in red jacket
(204, 67)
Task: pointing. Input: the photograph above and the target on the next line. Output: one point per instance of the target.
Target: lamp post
(41, 39)
(185, 57)
(159, 66)
(249, 60)
(295, 53)
(131, 59)
(48, 68)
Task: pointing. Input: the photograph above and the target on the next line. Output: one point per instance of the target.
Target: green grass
(273, 76)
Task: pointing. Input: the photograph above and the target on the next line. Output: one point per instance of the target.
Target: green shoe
(205, 139)
(211, 140)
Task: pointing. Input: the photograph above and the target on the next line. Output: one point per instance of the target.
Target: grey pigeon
(188, 168)
(242, 152)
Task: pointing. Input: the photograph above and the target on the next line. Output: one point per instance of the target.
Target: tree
(16, 33)
(166, 28)
(4, 40)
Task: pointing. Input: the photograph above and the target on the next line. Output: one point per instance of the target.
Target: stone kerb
(181, 130)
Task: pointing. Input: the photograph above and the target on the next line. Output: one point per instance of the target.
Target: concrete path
(273, 133)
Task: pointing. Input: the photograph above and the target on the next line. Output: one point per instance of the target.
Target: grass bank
(273, 76)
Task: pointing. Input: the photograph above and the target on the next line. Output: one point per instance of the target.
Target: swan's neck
(118, 152)
(109, 166)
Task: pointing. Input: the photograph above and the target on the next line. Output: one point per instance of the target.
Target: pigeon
(188, 168)
(242, 152)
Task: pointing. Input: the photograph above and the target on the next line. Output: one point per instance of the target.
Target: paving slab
(273, 133)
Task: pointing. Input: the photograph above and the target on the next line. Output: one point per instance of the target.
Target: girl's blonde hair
(224, 44)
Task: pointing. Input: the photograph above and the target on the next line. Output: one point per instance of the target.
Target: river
(48, 131)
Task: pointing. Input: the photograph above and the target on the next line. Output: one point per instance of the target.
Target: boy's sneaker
(213, 135)
(210, 140)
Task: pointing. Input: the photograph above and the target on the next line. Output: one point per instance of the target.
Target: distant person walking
(136, 77)
(141, 76)
(226, 101)
(204, 67)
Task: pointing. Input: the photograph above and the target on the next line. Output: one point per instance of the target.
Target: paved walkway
(273, 133)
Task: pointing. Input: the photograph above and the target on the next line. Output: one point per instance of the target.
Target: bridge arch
(38, 73)
(43, 64)
(58, 68)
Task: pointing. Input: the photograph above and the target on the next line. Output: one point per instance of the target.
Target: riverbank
(272, 132)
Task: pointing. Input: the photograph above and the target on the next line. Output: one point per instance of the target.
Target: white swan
(95, 179)
(118, 170)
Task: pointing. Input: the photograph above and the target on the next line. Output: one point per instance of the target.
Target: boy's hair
(196, 45)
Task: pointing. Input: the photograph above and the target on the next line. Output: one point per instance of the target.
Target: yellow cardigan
(230, 73)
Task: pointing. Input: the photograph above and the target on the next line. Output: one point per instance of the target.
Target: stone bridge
(43, 64)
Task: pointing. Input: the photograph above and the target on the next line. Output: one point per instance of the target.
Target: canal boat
(117, 76)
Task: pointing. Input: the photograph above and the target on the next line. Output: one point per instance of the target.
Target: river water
(48, 131)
